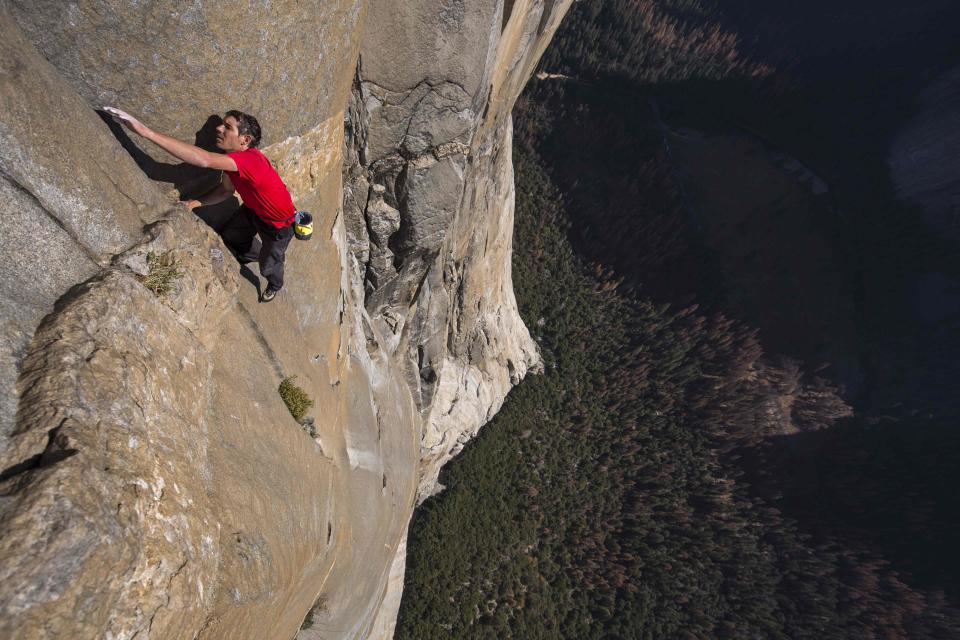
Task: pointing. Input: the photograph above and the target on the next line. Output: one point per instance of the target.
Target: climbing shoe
(269, 294)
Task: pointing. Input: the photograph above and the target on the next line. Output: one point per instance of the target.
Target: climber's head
(239, 131)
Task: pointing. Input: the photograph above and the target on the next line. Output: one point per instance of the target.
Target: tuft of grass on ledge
(163, 272)
(296, 399)
(319, 606)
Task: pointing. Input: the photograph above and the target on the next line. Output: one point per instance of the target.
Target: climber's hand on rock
(128, 121)
(192, 204)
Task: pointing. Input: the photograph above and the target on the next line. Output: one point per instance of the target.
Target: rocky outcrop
(153, 484)
(921, 156)
(105, 494)
(428, 203)
(71, 199)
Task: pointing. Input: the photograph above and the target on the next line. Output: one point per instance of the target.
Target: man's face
(228, 136)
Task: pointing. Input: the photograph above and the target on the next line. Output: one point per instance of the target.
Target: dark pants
(240, 234)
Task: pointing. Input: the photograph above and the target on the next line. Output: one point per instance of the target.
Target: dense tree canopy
(665, 477)
(607, 499)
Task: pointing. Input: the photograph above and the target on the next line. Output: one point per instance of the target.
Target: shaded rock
(442, 116)
(383, 222)
(921, 157)
(430, 198)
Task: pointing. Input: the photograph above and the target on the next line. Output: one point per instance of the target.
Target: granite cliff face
(919, 156)
(153, 484)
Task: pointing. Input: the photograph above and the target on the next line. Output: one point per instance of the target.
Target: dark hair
(247, 125)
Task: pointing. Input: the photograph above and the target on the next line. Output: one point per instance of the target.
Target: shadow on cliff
(846, 83)
(884, 486)
(190, 181)
(56, 451)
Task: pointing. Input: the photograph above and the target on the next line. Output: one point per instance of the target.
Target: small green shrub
(296, 399)
(319, 606)
(163, 271)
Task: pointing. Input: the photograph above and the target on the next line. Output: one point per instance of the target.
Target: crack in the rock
(90, 253)
(261, 340)
(425, 81)
(165, 604)
(413, 112)
(389, 94)
(110, 177)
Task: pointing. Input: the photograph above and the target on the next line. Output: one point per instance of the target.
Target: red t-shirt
(261, 188)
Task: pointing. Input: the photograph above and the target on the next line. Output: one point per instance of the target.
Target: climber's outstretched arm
(187, 152)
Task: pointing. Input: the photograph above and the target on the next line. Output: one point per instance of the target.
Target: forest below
(742, 430)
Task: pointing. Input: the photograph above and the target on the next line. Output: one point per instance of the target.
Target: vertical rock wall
(428, 202)
(152, 483)
(917, 158)
(428, 207)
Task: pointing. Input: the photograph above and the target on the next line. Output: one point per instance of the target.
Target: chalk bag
(303, 225)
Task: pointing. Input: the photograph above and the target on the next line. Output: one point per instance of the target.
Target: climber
(267, 208)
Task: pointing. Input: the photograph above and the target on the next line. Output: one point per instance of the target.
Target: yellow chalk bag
(303, 225)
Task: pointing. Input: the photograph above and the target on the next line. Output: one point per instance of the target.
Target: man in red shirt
(267, 209)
